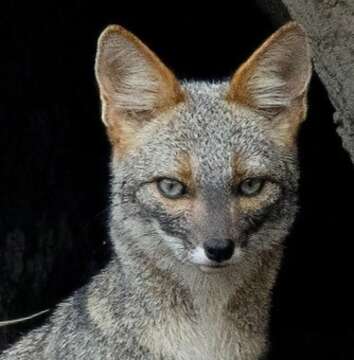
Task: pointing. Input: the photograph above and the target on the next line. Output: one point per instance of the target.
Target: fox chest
(208, 338)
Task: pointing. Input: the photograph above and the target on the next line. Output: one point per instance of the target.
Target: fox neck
(173, 286)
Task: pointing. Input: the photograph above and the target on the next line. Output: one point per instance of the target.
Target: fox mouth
(212, 268)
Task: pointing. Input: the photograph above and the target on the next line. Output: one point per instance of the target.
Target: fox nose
(219, 250)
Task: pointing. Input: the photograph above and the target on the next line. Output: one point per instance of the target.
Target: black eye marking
(251, 187)
(171, 188)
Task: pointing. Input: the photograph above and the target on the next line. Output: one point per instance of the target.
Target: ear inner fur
(275, 77)
(144, 88)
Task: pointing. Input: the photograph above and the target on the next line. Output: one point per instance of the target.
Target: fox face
(203, 173)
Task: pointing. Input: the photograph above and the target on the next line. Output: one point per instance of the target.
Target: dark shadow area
(313, 312)
(54, 165)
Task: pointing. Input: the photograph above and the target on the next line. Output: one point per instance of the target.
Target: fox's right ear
(134, 84)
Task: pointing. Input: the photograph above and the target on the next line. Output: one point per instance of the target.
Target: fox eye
(251, 187)
(171, 188)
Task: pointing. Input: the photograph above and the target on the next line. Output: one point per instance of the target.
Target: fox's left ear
(275, 79)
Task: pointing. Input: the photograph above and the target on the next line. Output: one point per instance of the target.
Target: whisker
(19, 320)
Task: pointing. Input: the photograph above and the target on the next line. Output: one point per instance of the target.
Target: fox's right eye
(170, 188)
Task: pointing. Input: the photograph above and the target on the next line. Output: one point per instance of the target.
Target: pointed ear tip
(292, 29)
(110, 31)
(293, 26)
(113, 32)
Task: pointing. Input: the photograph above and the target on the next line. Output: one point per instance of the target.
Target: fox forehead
(215, 122)
(204, 137)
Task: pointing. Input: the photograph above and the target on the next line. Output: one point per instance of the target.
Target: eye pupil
(170, 188)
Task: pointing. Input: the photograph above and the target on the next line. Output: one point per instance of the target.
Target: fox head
(203, 173)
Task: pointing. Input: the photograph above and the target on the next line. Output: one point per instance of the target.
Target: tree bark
(330, 26)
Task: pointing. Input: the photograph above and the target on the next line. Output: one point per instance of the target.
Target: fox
(204, 191)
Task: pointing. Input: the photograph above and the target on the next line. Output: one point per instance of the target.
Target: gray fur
(151, 301)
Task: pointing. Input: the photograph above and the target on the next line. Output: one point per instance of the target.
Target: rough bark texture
(330, 26)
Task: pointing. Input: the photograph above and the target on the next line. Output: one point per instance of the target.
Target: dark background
(54, 165)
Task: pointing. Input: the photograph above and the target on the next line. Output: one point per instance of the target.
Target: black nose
(219, 250)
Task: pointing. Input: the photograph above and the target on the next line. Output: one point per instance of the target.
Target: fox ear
(134, 84)
(277, 74)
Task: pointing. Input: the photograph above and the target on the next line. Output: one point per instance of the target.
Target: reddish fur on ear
(134, 84)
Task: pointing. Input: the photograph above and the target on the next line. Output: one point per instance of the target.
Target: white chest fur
(181, 338)
(221, 322)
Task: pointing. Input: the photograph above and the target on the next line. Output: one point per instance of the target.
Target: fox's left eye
(251, 186)
(171, 188)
